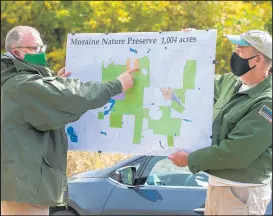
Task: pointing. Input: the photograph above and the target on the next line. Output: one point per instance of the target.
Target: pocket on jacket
(51, 185)
(234, 116)
(56, 153)
(241, 194)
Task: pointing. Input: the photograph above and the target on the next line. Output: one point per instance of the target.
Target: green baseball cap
(260, 40)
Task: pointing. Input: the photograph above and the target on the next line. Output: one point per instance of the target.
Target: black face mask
(238, 65)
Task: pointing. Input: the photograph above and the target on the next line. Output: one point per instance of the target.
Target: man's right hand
(127, 79)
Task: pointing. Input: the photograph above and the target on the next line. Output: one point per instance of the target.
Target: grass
(84, 161)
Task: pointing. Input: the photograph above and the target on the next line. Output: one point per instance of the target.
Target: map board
(170, 106)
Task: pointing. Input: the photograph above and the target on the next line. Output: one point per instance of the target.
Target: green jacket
(241, 147)
(35, 107)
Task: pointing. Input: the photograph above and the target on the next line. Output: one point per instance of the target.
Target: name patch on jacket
(266, 112)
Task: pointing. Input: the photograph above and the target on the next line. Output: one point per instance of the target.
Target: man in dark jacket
(239, 161)
(35, 107)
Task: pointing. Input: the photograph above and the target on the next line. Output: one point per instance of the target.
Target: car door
(163, 188)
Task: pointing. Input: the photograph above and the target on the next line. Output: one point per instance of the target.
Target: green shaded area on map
(132, 103)
(166, 125)
(171, 126)
(101, 115)
(188, 84)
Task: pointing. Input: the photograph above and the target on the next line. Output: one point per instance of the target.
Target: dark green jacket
(35, 107)
(241, 147)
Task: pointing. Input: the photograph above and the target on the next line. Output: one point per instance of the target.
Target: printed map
(168, 109)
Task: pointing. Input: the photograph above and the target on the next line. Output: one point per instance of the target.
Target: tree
(55, 19)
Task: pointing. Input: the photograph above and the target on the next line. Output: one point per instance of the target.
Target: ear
(14, 52)
(260, 58)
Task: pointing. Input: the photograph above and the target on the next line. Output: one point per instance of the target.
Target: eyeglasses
(37, 49)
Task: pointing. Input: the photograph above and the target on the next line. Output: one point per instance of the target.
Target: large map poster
(171, 104)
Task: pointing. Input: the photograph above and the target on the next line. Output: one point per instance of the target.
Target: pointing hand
(127, 79)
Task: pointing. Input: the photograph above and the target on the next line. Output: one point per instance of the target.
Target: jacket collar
(25, 66)
(21, 65)
(258, 89)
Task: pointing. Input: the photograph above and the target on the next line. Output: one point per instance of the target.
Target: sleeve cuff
(117, 87)
(192, 163)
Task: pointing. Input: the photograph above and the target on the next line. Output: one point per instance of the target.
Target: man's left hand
(179, 158)
(62, 73)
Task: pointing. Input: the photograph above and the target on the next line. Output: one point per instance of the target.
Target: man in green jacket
(239, 161)
(35, 107)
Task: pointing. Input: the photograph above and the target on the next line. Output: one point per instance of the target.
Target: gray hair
(14, 36)
(268, 61)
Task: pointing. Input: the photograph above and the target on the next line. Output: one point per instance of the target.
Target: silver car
(141, 185)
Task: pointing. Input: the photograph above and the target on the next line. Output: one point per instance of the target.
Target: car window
(137, 164)
(160, 171)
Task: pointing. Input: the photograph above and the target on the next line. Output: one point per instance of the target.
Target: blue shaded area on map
(187, 120)
(176, 98)
(72, 134)
(112, 102)
(103, 133)
(133, 50)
